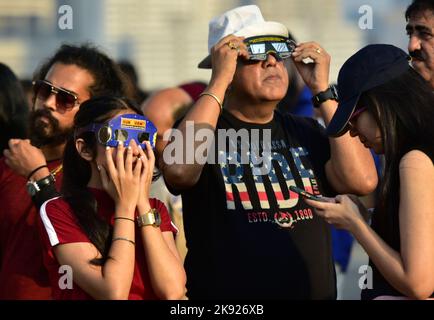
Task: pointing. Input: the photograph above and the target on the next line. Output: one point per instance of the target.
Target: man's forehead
(422, 18)
(70, 77)
(419, 27)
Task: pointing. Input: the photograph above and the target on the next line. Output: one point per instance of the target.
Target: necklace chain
(57, 170)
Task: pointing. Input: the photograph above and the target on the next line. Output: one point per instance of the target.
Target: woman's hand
(122, 182)
(148, 159)
(224, 56)
(341, 211)
(366, 214)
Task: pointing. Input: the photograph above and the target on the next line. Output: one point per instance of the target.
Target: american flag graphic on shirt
(291, 210)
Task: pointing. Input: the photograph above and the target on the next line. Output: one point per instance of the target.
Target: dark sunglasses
(65, 100)
(353, 119)
(261, 46)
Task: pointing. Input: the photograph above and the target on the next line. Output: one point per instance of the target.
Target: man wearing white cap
(248, 235)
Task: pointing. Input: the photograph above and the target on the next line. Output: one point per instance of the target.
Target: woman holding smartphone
(390, 107)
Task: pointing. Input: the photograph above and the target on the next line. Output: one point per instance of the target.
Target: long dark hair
(108, 77)
(404, 111)
(14, 109)
(77, 171)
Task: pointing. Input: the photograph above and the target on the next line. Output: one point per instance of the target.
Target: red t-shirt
(193, 89)
(22, 273)
(60, 226)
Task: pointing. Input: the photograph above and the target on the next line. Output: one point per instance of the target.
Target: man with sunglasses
(248, 236)
(32, 169)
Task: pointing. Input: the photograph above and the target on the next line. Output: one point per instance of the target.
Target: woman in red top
(102, 238)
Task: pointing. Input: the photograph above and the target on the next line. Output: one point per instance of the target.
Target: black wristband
(34, 171)
(46, 193)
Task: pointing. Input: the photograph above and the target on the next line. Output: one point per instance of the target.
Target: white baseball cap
(245, 21)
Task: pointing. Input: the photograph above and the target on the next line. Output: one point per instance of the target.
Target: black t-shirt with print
(247, 235)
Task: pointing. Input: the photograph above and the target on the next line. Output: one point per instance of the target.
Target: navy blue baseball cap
(370, 67)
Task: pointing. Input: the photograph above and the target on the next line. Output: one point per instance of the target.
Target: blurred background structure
(165, 39)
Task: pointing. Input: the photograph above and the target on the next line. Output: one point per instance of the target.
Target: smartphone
(305, 194)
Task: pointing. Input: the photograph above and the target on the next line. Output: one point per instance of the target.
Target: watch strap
(330, 94)
(34, 187)
(46, 181)
(150, 218)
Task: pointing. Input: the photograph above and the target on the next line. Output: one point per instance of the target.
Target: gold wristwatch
(150, 218)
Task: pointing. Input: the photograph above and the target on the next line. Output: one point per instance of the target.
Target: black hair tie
(34, 171)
